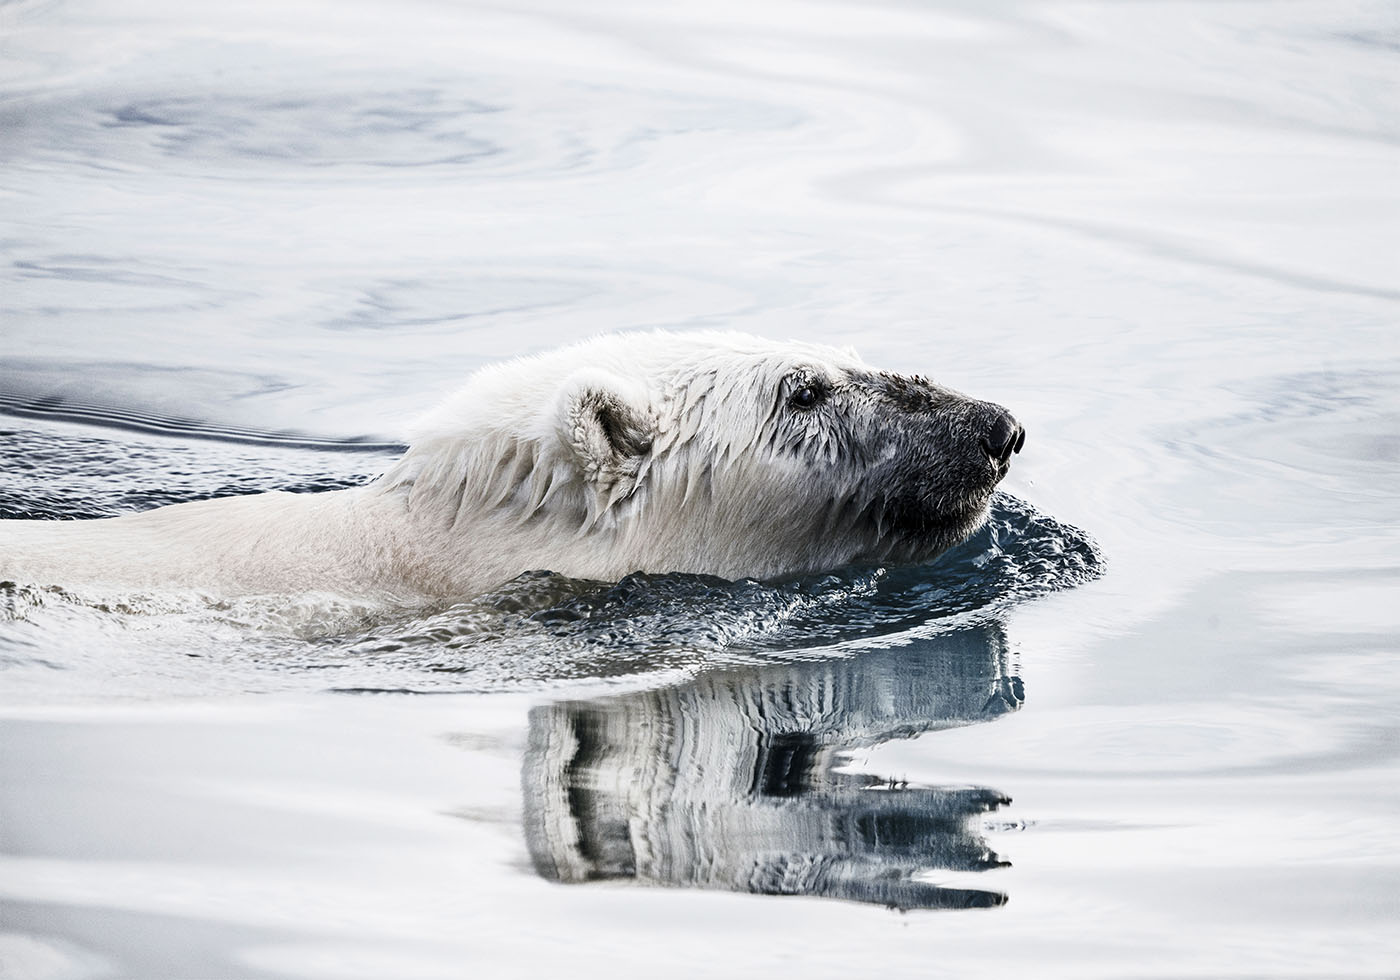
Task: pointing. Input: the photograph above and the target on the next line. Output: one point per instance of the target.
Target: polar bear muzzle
(942, 455)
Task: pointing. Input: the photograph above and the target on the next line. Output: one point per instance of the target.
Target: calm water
(1145, 724)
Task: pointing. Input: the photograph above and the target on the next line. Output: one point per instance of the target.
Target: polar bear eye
(805, 397)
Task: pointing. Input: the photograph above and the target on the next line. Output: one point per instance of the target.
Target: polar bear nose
(1003, 436)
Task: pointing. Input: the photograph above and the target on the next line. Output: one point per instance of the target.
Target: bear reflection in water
(730, 780)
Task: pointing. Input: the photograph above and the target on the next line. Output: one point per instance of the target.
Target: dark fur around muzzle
(945, 455)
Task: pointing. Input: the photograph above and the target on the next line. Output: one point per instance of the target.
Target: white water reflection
(730, 780)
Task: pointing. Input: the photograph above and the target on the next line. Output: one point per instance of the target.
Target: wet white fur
(514, 472)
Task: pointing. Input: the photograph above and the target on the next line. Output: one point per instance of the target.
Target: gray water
(1143, 724)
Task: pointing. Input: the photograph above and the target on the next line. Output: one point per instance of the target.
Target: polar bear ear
(607, 425)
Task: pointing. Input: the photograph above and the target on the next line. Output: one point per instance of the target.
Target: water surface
(1144, 724)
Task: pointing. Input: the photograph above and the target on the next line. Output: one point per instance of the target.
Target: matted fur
(632, 452)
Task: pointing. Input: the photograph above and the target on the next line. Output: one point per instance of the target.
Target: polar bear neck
(497, 446)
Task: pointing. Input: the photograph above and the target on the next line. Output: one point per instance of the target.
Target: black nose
(1003, 436)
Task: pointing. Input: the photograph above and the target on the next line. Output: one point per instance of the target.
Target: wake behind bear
(714, 453)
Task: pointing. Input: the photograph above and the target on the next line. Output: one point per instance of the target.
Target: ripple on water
(408, 127)
(536, 628)
(53, 472)
(1323, 442)
(1019, 554)
(392, 304)
(330, 126)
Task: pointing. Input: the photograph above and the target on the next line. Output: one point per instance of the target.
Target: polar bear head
(713, 453)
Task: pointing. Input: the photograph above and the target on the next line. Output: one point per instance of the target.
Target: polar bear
(713, 453)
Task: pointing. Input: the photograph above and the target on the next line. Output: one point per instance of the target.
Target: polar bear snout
(1002, 435)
